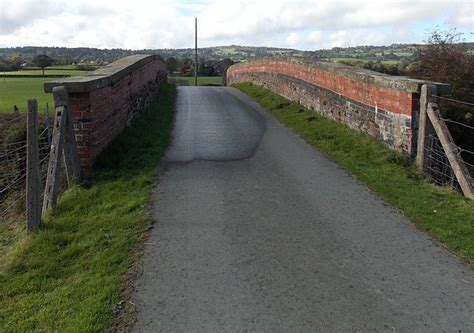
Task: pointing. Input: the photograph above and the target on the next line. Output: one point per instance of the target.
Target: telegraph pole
(195, 51)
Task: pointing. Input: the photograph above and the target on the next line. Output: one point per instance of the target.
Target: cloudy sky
(301, 24)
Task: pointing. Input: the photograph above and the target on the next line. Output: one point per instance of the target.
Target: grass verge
(444, 214)
(67, 277)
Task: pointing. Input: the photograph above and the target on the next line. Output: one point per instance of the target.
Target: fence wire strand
(438, 169)
(457, 123)
(466, 153)
(13, 120)
(13, 156)
(453, 100)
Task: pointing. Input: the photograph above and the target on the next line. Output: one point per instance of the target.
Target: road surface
(257, 231)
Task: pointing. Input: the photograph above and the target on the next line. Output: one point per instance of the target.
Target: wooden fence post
(452, 153)
(63, 147)
(33, 184)
(428, 93)
(71, 158)
(52, 178)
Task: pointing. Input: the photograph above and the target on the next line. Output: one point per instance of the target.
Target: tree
(171, 64)
(17, 61)
(222, 66)
(446, 59)
(402, 65)
(186, 67)
(42, 61)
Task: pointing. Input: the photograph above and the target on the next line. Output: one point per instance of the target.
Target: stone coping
(102, 77)
(358, 74)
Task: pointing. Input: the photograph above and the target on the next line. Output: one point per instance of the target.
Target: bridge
(258, 231)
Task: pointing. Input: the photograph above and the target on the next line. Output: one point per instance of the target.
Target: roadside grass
(8, 238)
(67, 277)
(202, 80)
(445, 214)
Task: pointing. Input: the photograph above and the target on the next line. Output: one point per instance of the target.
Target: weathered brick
(342, 98)
(100, 114)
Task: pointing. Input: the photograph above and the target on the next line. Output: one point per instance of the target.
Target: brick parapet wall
(108, 100)
(382, 105)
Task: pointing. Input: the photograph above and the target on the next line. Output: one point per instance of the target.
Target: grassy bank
(443, 213)
(67, 277)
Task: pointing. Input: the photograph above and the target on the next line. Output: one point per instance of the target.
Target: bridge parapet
(382, 105)
(104, 102)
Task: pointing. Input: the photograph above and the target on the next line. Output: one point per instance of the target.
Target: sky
(300, 24)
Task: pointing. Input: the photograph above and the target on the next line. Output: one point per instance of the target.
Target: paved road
(257, 231)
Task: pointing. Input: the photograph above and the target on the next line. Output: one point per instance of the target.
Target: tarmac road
(257, 231)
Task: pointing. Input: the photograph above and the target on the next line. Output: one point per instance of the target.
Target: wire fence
(13, 164)
(466, 153)
(26, 157)
(438, 168)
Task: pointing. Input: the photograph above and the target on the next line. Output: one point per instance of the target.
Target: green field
(39, 72)
(65, 67)
(202, 80)
(70, 67)
(17, 91)
(386, 62)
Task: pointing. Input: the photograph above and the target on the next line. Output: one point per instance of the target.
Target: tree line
(186, 66)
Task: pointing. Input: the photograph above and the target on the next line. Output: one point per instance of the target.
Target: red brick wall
(101, 114)
(389, 99)
(371, 102)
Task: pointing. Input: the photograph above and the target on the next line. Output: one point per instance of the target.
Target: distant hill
(63, 55)
(233, 52)
(85, 54)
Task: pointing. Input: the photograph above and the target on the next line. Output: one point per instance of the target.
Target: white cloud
(305, 24)
(293, 39)
(464, 16)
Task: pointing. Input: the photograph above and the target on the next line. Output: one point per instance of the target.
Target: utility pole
(195, 51)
